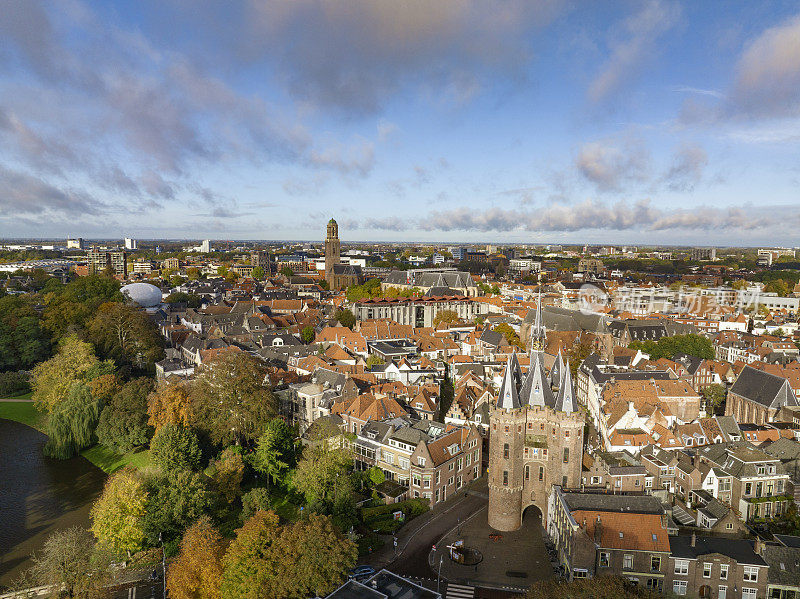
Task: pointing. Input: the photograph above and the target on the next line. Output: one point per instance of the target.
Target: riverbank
(23, 411)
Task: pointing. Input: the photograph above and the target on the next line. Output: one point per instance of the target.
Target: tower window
(505, 478)
(566, 455)
(505, 451)
(541, 473)
(527, 472)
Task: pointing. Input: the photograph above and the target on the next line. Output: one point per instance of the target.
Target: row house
(600, 534)
(716, 568)
(619, 472)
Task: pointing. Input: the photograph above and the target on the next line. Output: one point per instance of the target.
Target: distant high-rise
(101, 260)
(75, 244)
(205, 247)
(130, 244)
(704, 254)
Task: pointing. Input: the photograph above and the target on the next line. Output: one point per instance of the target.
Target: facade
(757, 396)
(716, 568)
(338, 275)
(535, 440)
(75, 244)
(100, 259)
(417, 312)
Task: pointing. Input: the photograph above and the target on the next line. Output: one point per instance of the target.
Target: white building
(130, 244)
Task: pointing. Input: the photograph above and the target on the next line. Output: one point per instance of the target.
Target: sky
(626, 122)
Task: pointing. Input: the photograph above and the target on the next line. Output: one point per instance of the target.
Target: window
(460, 464)
(655, 563)
(421, 461)
(438, 477)
(415, 480)
(748, 593)
(566, 455)
(505, 478)
(729, 526)
(679, 587)
(426, 481)
(750, 574)
(627, 561)
(580, 574)
(450, 466)
(527, 472)
(723, 572)
(541, 473)
(748, 488)
(682, 566)
(605, 559)
(437, 495)
(505, 451)
(450, 480)
(706, 570)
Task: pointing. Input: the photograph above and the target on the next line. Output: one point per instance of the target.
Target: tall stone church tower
(332, 250)
(536, 436)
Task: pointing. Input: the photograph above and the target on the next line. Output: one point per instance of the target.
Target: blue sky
(456, 120)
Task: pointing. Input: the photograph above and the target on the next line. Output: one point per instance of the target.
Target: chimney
(630, 406)
(759, 546)
(693, 542)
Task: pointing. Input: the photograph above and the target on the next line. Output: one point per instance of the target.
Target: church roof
(508, 398)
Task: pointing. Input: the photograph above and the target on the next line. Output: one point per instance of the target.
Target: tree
(170, 403)
(228, 474)
(193, 273)
(599, 587)
(374, 360)
(126, 335)
(313, 558)
(274, 455)
(287, 272)
(256, 499)
(68, 560)
(778, 286)
(249, 569)
(307, 334)
(68, 310)
(576, 355)
(321, 475)
(72, 422)
(376, 476)
(175, 447)
(231, 399)
(118, 515)
(715, 397)
(258, 273)
(197, 571)
(511, 336)
(446, 317)
(175, 499)
(51, 380)
(123, 422)
(346, 318)
(667, 347)
(23, 341)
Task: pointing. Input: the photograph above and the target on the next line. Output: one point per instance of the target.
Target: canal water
(38, 495)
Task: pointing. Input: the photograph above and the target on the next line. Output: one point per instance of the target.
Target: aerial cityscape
(399, 300)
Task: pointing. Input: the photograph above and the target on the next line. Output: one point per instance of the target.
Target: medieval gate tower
(536, 436)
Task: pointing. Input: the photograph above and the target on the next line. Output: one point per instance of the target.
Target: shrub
(14, 383)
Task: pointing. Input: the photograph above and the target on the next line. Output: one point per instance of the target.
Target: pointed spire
(508, 398)
(537, 334)
(566, 398)
(535, 390)
(557, 372)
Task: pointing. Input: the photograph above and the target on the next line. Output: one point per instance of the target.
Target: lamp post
(439, 574)
(163, 566)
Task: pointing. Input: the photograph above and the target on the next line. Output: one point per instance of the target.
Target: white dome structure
(143, 294)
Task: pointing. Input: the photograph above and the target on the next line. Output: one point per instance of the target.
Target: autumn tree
(175, 447)
(599, 587)
(118, 515)
(51, 380)
(313, 557)
(249, 566)
(68, 561)
(274, 455)
(577, 354)
(170, 403)
(345, 318)
(123, 422)
(68, 310)
(231, 399)
(445, 316)
(228, 474)
(197, 571)
(510, 335)
(258, 273)
(126, 334)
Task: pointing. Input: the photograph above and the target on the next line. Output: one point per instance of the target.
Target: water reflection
(38, 495)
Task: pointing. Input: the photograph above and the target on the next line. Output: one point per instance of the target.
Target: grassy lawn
(110, 462)
(100, 456)
(21, 411)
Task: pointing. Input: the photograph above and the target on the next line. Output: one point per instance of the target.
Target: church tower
(332, 251)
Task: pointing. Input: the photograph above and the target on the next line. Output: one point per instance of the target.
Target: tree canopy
(667, 347)
(118, 515)
(197, 571)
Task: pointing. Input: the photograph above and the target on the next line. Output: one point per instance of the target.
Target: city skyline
(658, 123)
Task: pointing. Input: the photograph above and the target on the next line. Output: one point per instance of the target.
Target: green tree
(778, 286)
(175, 447)
(376, 475)
(511, 336)
(68, 311)
(71, 425)
(174, 500)
(118, 515)
(346, 318)
(667, 347)
(255, 500)
(287, 272)
(231, 398)
(322, 474)
(228, 472)
(715, 398)
(258, 273)
(274, 455)
(307, 334)
(123, 422)
(249, 567)
(374, 360)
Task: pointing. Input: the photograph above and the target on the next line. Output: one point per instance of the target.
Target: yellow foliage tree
(118, 515)
(197, 572)
(52, 379)
(170, 403)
